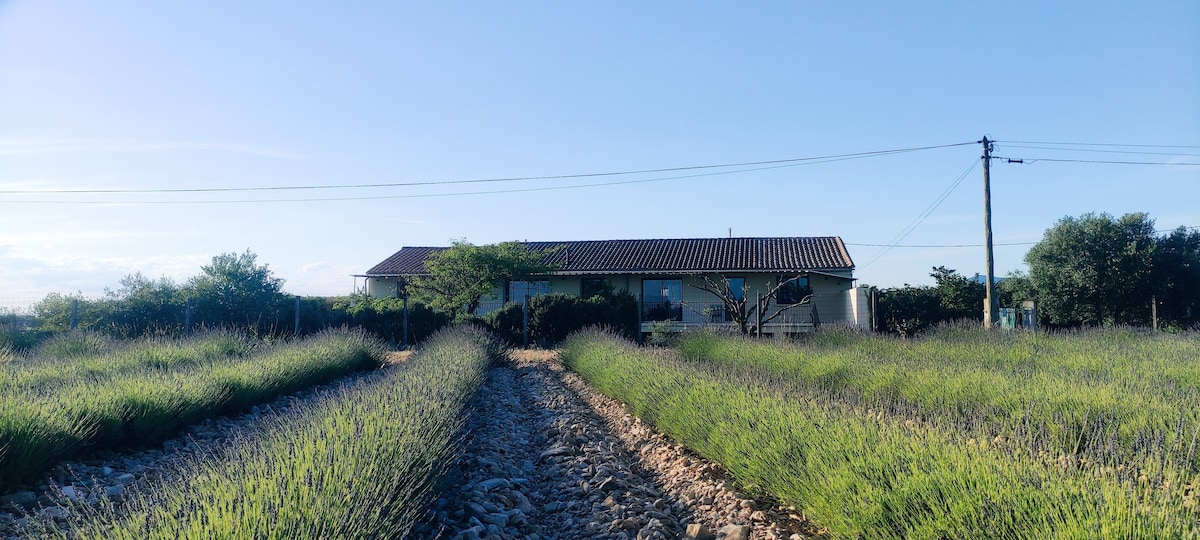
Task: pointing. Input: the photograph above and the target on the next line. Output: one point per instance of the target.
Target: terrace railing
(713, 313)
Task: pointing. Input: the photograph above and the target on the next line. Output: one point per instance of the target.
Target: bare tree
(747, 316)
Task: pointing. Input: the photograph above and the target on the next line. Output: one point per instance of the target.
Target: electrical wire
(820, 159)
(925, 214)
(939, 245)
(1103, 144)
(1090, 150)
(457, 194)
(1100, 161)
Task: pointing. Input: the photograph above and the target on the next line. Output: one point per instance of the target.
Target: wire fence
(17, 305)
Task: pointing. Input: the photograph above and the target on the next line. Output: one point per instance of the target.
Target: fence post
(758, 315)
(1154, 312)
(638, 330)
(297, 315)
(404, 326)
(525, 321)
(187, 318)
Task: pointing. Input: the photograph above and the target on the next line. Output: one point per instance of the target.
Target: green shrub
(553, 317)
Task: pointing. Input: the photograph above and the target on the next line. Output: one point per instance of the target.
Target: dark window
(590, 287)
(794, 291)
(661, 299)
(737, 286)
(517, 290)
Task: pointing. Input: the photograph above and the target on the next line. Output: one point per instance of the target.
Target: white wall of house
(834, 297)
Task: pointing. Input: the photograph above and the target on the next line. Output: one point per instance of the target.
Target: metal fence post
(404, 325)
(297, 315)
(525, 321)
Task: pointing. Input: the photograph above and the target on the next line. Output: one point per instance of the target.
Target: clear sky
(150, 95)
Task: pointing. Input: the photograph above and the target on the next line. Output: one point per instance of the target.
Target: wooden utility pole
(989, 303)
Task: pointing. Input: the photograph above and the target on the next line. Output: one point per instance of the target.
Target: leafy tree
(384, 317)
(1177, 278)
(233, 290)
(1094, 270)
(1014, 289)
(55, 311)
(909, 310)
(958, 297)
(463, 274)
(144, 306)
(552, 317)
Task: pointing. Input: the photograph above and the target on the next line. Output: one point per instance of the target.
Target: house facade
(667, 276)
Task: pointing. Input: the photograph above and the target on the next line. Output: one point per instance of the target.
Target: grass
(848, 442)
(81, 392)
(359, 463)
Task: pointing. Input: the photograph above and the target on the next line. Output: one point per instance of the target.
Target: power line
(1100, 161)
(925, 214)
(939, 245)
(1104, 144)
(819, 159)
(1090, 150)
(458, 194)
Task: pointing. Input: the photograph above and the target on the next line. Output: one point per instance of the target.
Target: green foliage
(1094, 270)
(234, 291)
(20, 332)
(909, 310)
(552, 317)
(464, 274)
(1177, 278)
(359, 463)
(384, 317)
(963, 434)
(55, 312)
(143, 307)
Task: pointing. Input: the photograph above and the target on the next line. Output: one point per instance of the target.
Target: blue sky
(212, 95)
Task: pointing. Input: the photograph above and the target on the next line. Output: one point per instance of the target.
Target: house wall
(834, 297)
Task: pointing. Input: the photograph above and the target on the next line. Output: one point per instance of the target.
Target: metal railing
(709, 313)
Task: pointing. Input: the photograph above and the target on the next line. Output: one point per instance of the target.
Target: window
(517, 290)
(794, 291)
(737, 286)
(661, 299)
(590, 287)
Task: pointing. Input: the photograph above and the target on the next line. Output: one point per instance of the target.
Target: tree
(740, 312)
(1176, 280)
(911, 309)
(233, 290)
(460, 276)
(1094, 270)
(958, 297)
(143, 306)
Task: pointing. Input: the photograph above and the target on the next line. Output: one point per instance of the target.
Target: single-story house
(666, 274)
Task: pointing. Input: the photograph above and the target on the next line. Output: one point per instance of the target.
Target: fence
(16, 305)
(714, 314)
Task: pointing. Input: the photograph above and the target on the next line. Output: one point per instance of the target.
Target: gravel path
(548, 457)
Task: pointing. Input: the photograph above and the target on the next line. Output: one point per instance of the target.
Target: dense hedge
(552, 317)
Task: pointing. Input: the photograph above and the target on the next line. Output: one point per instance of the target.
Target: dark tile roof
(670, 256)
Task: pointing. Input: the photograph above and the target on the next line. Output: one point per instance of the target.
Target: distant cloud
(34, 276)
(68, 146)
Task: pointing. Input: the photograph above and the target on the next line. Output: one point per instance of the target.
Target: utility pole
(989, 303)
